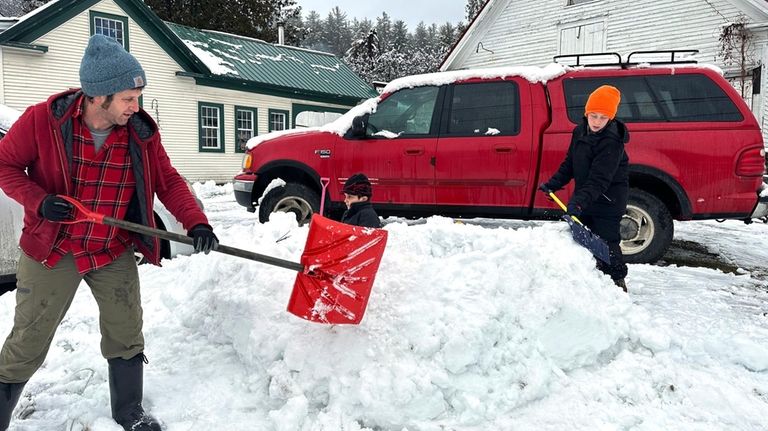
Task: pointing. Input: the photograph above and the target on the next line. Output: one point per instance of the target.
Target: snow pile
(464, 325)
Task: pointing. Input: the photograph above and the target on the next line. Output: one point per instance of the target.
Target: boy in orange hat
(597, 162)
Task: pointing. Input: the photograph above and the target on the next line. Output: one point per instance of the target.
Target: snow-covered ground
(470, 326)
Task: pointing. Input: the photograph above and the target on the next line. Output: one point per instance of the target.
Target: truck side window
(671, 98)
(487, 108)
(406, 112)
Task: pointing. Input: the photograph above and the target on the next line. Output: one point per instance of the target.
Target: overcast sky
(410, 11)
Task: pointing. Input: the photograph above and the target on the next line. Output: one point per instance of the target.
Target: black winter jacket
(361, 214)
(599, 165)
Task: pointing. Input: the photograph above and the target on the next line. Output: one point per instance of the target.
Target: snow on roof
(8, 116)
(531, 73)
(217, 65)
(342, 124)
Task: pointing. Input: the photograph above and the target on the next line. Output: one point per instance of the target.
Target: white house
(209, 91)
(532, 32)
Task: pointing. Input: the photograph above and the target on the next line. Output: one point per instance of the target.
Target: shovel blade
(340, 262)
(589, 240)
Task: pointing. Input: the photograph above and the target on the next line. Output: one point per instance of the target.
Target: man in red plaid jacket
(96, 145)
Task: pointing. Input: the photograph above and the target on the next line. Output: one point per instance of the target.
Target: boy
(597, 162)
(357, 195)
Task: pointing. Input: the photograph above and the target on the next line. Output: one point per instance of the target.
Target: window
(211, 120)
(109, 25)
(245, 126)
(484, 108)
(278, 120)
(668, 98)
(406, 112)
(583, 38)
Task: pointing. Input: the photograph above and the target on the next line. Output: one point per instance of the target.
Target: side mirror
(359, 124)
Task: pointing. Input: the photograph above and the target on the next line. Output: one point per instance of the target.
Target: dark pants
(607, 228)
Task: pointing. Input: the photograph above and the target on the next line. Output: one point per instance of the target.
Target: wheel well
(289, 175)
(660, 190)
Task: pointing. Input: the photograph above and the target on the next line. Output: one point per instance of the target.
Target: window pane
(407, 112)
(276, 121)
(675, 98)
(244, 122)
(109, 27)
(209, 124)
(485, 108)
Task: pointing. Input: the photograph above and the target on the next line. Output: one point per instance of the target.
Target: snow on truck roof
(533, 74)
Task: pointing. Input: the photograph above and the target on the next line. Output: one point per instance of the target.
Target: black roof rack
(614, 58)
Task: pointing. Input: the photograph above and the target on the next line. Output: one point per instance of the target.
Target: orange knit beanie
(605, 100)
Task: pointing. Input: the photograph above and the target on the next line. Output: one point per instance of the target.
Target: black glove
(573, 209)
(203, 238)
(54, 208)
(547, 190)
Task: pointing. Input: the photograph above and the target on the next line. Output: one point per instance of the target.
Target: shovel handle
(564, 208)
(83, 214)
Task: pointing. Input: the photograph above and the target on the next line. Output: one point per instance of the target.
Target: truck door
(484, 153)
(399, 147)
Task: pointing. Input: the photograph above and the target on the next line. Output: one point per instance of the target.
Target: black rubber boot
(9, 396)
(621, 283)
(126, 391)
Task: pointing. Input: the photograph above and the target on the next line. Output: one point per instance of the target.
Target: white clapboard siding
(29, 77)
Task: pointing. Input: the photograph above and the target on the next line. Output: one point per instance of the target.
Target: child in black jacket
(357, 194)
(596, 160)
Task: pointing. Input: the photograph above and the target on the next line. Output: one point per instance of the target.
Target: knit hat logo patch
(107, 68)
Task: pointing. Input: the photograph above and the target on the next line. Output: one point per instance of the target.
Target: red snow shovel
(583, 236)
(335, 275)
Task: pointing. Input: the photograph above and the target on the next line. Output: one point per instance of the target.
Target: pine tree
(10, 8)
(384, 31)
(313, 32)
(253, 18)
(400, 36)
(28, 6)
(473, 8)
(336, 32)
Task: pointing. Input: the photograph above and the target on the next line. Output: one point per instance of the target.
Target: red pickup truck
(477, 143)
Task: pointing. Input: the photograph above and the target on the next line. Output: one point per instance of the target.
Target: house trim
(220, 107)
(92, 15)
(255, 119)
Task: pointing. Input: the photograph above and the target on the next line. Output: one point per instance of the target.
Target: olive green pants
(43, 297)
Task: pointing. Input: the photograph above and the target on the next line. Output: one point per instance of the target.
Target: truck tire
(294, 198)
(646, 228)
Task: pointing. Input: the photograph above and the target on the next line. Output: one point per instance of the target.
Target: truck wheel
(646, 228)
(293, 198)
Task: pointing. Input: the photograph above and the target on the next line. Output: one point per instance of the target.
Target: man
(96, 145)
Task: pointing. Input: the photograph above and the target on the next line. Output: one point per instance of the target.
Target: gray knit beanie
(107, 68)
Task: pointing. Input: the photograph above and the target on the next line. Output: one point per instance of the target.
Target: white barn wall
(527, 31)
(29, 77)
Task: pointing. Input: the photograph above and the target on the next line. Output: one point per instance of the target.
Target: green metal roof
(281, 67)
